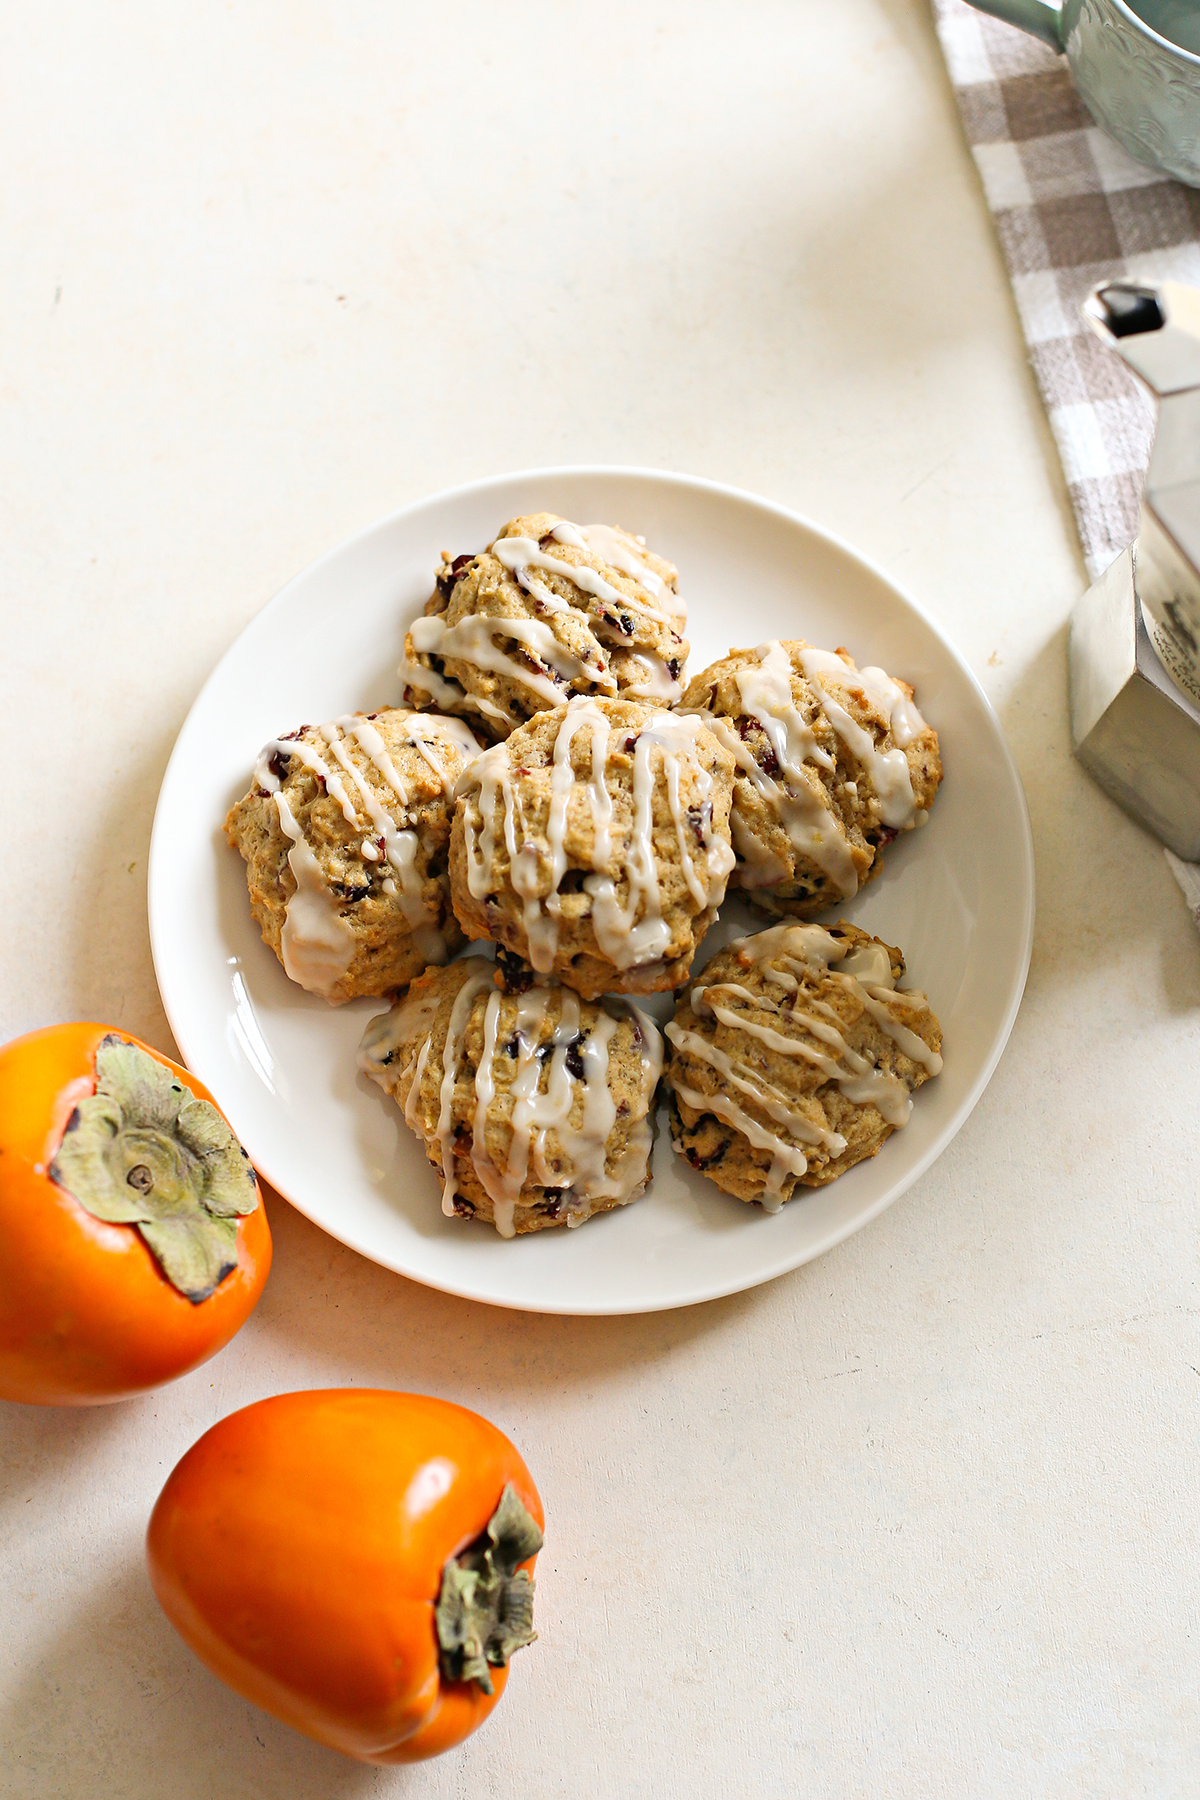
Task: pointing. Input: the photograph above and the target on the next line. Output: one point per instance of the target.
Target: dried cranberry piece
(448, 579)
(515, 974)
(701, 1163)
(760, 747)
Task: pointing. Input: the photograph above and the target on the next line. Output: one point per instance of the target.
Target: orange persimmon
(133, 1237)
(356, 1561)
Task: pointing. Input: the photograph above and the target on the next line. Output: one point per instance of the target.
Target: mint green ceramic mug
(1136, 64)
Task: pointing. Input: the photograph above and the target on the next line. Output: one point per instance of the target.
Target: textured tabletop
(919, 1519)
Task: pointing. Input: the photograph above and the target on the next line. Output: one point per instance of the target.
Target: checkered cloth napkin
(1071, 209)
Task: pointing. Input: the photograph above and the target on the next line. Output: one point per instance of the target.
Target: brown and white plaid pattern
(1071, 209)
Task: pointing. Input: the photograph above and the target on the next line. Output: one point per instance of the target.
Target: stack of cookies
(555, 787)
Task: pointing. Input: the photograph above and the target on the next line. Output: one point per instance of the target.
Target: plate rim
(176, 1015)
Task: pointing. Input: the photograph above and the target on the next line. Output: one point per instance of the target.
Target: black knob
(1130, 310)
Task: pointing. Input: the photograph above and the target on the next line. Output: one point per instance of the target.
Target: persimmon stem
(145, 1152)
(485, 1604)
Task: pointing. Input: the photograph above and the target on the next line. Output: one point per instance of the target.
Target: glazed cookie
(833, 762)
(594, 843)
(345, 834)
(793, 1056)
(548, 610)
(535, 1106)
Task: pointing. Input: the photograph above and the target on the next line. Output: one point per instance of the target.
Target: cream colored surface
(918, 1520)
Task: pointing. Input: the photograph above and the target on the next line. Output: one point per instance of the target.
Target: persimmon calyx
(143, 1151)
(485, 1604)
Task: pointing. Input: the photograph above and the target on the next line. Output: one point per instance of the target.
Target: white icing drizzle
(798, 798)
(658, 684)
(612, 547)
(870, 962)
(758, 867)
(414, 1093)
(786, 1159)
(632, 1171)
(455, 729)
(629, 935)
(485, 1094)
(388, 1032)
(615, 548)
(312, 759)
(460, 735)
(449, 693)
(535, 1113)
(810, 944)
(309, 942)
(913, 1046)
(519, 555)
(473, 639)
(866, 971)
(754, 1084)
(888, 769)
(460, 1014)
(317, 945)
(625, 938)
(544, 1094)
(900, 709)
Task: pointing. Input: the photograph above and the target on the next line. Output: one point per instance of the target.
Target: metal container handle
(1038, 16)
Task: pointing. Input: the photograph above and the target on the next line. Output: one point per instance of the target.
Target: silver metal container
(1135, 635)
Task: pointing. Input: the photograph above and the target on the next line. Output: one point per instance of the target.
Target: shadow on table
(43, 1443)
(118, 1705)
(1104, 891)
(328, 1303)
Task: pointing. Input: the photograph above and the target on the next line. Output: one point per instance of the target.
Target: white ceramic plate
(956, 896)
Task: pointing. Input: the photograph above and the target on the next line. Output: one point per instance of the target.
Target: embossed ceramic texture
(1142, 90)
(1139, 87)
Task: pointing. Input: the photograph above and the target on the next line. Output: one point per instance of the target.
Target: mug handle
(1040, 17)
